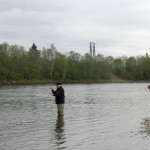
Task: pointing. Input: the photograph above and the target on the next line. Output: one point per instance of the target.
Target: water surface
(97, 116)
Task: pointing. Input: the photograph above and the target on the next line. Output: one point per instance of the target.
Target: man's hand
(51, 87)
(52, 94)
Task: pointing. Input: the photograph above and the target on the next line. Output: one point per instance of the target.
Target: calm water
(97, 117)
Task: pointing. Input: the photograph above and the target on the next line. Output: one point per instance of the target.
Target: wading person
(59, 98)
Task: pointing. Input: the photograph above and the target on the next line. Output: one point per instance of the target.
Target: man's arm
(58, 92)
(53, 92)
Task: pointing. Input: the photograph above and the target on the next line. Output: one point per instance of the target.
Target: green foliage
(73, 66)
(18, 64)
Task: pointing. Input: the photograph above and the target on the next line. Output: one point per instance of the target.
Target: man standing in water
(59, 98)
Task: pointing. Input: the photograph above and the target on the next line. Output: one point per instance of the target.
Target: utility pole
(92, 49)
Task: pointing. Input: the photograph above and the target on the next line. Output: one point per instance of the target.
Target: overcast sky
(118, 27)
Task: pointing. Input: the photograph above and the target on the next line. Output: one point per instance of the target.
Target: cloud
(117, 27)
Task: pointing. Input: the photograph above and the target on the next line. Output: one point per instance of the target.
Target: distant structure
(92, 49)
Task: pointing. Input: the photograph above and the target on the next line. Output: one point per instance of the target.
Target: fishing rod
(52, 60)
(51, 73)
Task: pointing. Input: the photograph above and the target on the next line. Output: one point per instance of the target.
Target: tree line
(16, 63)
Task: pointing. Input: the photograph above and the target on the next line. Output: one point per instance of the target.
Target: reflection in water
(146, 126)
(60, 135)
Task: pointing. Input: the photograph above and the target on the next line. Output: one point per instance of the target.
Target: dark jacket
(59, 95)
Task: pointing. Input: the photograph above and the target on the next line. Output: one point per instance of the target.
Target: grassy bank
(26, 82)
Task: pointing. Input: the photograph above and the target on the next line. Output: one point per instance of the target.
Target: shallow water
(97, 116)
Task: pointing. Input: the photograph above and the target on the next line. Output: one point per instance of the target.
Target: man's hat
(58, 83)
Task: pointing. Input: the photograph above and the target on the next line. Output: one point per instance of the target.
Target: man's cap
(58, 83)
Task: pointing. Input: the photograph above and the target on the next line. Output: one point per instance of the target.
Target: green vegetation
(18, 64)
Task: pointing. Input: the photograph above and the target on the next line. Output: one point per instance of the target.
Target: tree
(131, 67)
(48, 61)
(34, 62)
(146, 66)
(18, 64)
(60, 67)
(73, 69)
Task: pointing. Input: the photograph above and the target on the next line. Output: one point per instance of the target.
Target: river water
(97, 117)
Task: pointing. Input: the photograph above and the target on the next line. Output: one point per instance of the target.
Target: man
(59, 98)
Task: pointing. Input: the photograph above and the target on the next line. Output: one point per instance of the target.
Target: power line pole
(92, 49)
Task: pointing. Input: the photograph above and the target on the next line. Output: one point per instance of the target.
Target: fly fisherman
(59, 98)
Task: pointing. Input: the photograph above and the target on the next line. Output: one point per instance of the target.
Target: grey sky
(118, 27)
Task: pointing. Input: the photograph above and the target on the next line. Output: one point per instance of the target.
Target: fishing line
(52, 62)
(51, 74)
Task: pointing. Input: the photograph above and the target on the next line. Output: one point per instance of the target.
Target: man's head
(58, 85)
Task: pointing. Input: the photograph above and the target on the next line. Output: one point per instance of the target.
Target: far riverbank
(26, 82)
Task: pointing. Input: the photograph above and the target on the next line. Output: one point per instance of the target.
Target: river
(108, 116)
